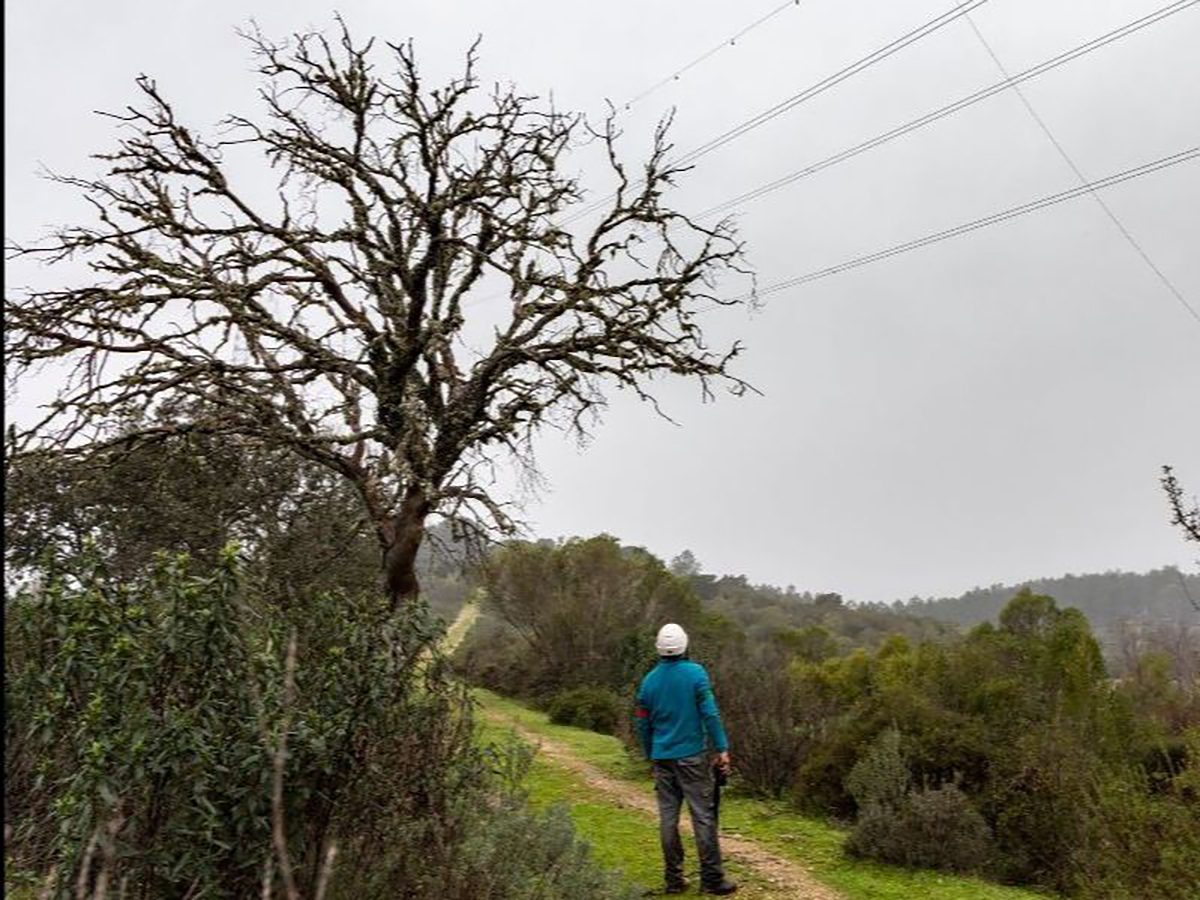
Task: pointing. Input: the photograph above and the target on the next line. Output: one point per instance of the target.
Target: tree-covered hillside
(1107, 599)
(764, 611)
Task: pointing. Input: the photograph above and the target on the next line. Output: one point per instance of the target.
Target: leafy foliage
(580, 612)
(150, 711)
(764, 612)
(1106, 599)
(193, 493)
(929, 828)
(298, 527)
(880, 777)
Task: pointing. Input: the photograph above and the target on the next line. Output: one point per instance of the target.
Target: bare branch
(330, 320)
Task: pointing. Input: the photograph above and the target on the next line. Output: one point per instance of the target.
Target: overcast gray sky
(989, 409)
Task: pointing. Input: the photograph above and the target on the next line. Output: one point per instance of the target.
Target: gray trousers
(689, 778)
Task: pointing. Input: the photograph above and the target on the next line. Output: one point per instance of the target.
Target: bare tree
(1185, 518)
(329, 317)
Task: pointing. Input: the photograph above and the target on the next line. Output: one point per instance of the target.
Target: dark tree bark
(328, 319)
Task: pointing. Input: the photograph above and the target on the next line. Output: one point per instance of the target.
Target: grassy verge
(628, 840)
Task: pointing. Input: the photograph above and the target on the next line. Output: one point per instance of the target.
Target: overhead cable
(994, 219)
(830, 81)
(1062, 152)
(923, 31)
(1009, 81)
(727, 42)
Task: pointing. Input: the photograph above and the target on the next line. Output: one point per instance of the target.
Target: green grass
(628, 840)
(600, 750)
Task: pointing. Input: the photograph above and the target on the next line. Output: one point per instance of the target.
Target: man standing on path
(675, 710)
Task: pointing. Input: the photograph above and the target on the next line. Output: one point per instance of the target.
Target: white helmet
(671, 641)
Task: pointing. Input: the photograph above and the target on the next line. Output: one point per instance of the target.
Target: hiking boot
(725, 886)
(675, 887)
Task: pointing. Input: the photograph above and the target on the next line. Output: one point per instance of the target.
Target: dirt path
(787, 879)
(461, 625)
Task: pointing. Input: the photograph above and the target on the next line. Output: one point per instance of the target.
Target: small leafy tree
(586, 610)
(330, 319)
(192, 493)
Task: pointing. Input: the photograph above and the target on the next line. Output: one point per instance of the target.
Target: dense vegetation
(1106, 599)
(763, 611)
(1123, 608)
(180, 734)
(1008, 751)
(1012, 739)
(145, 694)
(297, 527)
(572, 624)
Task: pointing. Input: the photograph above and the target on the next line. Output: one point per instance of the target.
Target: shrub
(1142, 840)
(933, 828)
(129, 703)
(773, 726)
(504, 851)
(595, 708)
(515, 854)
(1035, 801)
(148, 713)
(880, 777)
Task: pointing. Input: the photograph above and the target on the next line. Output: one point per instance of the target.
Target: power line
(836, 78)
(1010, 81)
(994, 219)
(727, 42)
(1120, 226)
(933, 25)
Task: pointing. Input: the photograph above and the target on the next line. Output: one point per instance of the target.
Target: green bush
(1143, 841)
(930, 828)
(880, 777)
(146, 715)
(770, 723)
(503, 850)
(516, 854)
(595, 708)
(934, 828)
(128, 704)
(1036, 800)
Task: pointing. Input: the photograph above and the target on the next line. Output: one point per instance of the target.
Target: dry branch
(329, 319)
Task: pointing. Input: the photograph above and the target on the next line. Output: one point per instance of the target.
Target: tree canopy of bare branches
(328, 315)
(1186, 518)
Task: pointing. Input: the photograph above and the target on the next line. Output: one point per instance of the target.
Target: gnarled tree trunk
(400, 537)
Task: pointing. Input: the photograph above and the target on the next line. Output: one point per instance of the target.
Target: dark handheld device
(719, 779)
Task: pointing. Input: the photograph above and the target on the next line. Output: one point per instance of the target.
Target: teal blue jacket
(675, 708)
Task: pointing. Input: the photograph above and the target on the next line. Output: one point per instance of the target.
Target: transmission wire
(727, 42)
(1120, 226)
(1010, 81)
(808, 93)
(993, 219)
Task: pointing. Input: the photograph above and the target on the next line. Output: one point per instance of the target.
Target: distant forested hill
(1106, 599)
(762, 611)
